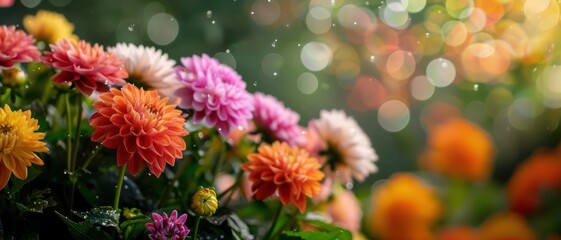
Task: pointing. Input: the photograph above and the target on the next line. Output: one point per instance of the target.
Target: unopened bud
(204, 202)
(13, 77)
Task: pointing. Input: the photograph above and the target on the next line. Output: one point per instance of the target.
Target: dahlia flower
(288, 171)
(18, 144)
(542, 171)
(49, 26)
(148, 68)
(6, 3)
(403, 208)
(143, 128)
(277, 121)
(215, 92)
(88, 68)
(459, 149)
(348, 149)
(16, 47)
(164, 227)
(506, 225)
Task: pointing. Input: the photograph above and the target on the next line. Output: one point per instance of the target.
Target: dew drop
(275, 74)
(131, 27)
(213, 22)
(427, 35)
(254, 83)
(208, 14)
(274, 43)
(475, 87)
(372, 58)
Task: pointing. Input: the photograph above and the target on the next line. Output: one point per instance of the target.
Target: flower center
(333, 156)
(5, 128)
(7, 139)
(139, 82)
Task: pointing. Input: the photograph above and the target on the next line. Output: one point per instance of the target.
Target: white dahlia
(148, 68)
(345, 147)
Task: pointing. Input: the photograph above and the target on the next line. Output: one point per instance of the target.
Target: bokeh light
(162, 28)
(307, 83)
(316, 56)
(441, 72)
(393, 115)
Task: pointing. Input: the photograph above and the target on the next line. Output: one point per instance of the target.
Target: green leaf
(37, 201)
(324, 231)
(32, 173)
(105, 216)
(338, 235)
(83, 230)
(133, 227)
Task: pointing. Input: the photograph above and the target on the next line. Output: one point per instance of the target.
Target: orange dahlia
(141, 126)
(459, 149)
(542, 171)
(506, 225)
(289, 171)
(18, 144)
(404, 208)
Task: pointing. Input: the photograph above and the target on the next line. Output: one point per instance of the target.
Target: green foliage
(84, 230)
(324, 231)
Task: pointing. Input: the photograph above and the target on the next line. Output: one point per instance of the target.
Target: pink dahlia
(16, 47)
(215, 92)
(88, 68)
(276, 121)
(164, 227)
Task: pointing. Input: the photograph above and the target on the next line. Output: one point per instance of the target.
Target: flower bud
(204, 202)
(13, 77)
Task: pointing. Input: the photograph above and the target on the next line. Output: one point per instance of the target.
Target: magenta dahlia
(164, 227)
(16, 47)
(275, 121)
(214, 92)
(88, 67)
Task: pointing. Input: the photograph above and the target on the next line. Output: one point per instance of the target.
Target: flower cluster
(82, 124)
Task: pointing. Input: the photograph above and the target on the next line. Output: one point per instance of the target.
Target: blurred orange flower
(459, 232)
(541, 171)
(459, 149)
(289, 169)
(404, 208)
(506, 225)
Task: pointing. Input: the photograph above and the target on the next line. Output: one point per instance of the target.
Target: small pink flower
(6, 3)
(215, 92)
(276, 121)
(164, 227)
(88, 68)
(16, 47)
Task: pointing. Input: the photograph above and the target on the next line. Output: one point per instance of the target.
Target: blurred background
(397, 66)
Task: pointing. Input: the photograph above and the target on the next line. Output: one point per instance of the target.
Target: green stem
(274, 223)
(90, 159)
(165, 195)
(197, 221)
(119, 186)
(69, 128)
(77, 134)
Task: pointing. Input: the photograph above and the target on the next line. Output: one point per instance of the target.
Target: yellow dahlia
(49, 26)
(18, 144)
